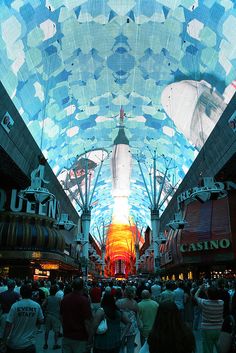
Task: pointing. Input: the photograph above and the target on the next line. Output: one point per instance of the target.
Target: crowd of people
(164, 314)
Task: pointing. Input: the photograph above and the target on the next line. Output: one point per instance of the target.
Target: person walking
(156, 290)
(167, 295)
(76, 316)
(110, 341)
(60, 292)
(180, 298)
(147, 310)
(130, 307)
(51, 307)
(212, 317)
(95, 296)
(7, 298)
(21, 323)
(169, 333)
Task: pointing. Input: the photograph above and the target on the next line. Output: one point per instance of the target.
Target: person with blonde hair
(129, 306)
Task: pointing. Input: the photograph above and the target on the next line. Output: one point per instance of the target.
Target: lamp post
(157, 197)
(103, 249)
(136, 240)
(102, 229)
(85, 196)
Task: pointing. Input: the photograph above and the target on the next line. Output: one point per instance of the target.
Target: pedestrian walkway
(40, 342)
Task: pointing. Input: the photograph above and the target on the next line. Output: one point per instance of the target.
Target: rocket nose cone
(122, 115)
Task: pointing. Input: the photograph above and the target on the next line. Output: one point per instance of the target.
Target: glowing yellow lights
(50, 266)
(190, 275)
(120, 241)
(36, 255)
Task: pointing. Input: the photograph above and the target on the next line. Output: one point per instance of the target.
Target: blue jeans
(197, 317)
(209, 340)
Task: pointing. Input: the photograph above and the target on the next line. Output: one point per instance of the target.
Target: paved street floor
(40, 342)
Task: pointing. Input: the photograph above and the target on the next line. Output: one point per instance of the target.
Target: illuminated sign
(205, 245)
(14, 203)
(36, 255)
(50, 266)
(7, 122)
(41, 272)
(185, 195)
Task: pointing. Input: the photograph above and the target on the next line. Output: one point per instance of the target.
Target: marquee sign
(187, 194)
(10, 201)
(205, 245)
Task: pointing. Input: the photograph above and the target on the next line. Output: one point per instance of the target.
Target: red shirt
(75, 309)
(95, 294)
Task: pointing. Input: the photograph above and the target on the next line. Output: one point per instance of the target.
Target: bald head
(146, 294)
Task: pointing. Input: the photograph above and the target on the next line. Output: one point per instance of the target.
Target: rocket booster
(121, 162)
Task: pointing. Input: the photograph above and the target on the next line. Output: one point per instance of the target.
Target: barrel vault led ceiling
(70, 66)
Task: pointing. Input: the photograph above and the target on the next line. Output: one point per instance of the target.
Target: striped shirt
(212, 313)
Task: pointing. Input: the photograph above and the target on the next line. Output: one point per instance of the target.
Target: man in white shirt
(60, 292)
(20, 330)
(180, 298)
(156, 291)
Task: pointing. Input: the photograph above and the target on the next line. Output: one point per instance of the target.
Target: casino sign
(205, 245)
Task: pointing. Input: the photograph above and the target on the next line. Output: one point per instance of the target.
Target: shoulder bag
(102, 327)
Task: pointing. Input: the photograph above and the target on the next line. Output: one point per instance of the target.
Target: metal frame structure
(156, 200)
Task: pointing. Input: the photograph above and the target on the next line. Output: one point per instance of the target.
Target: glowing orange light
(121, 244)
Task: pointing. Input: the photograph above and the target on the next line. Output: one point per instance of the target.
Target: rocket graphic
(120, 242)
(121, 162)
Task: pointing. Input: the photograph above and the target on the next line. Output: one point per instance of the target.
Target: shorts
(52, 323)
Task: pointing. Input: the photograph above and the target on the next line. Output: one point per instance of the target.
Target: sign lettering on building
(11, 202)
(205, 245)
(185, 195)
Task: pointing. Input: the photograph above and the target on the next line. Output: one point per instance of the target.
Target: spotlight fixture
(63, 222)
(208, 190)
(162, 239)
(36, 193)
(177, 223)
(79, 238)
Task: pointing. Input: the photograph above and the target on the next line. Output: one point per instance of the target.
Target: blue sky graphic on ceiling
(70, 65)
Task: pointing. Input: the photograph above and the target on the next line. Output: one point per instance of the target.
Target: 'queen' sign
(10, 201)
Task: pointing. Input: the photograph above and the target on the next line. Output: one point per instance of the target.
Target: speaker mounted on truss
(63, 222)
(36, 193)
(208, 190)
(178, 222)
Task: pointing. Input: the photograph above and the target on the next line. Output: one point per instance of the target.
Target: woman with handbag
(107, 326)
(129, 306)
